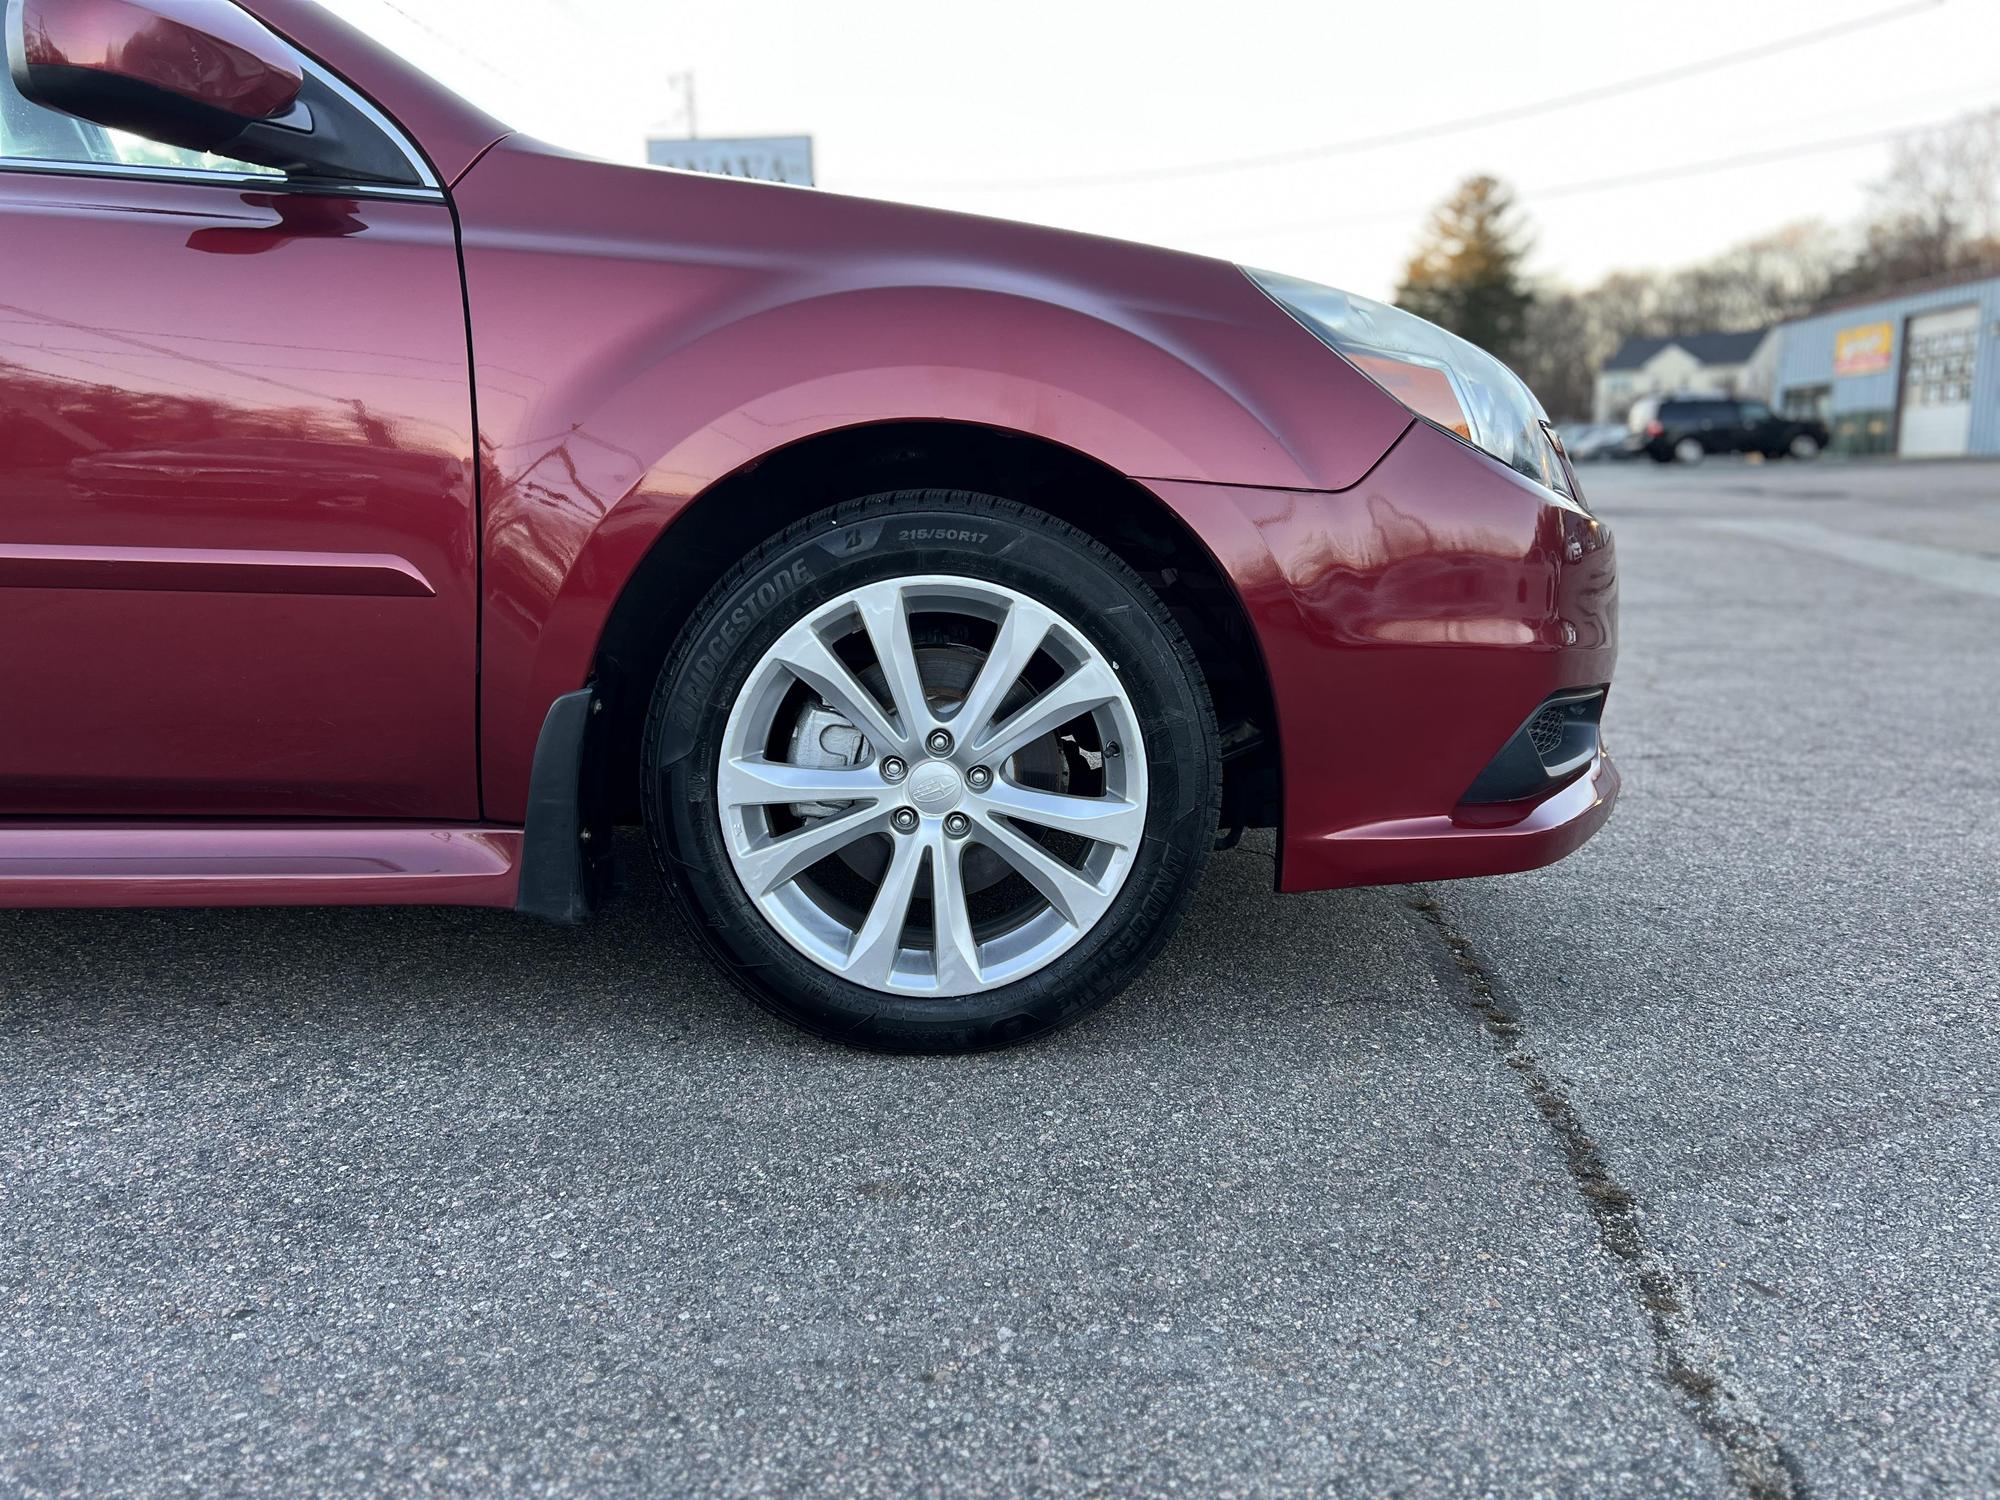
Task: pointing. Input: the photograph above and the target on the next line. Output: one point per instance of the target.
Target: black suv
(1689, 428)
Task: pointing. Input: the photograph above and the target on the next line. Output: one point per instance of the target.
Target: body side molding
(207, 570)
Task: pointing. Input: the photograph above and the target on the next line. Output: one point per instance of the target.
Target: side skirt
(273, 864)
(553, 868)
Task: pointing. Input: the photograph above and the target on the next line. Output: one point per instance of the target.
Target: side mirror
(188, 73)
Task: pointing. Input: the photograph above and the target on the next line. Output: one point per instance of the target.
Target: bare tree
(1937, 210)
(1761, 281)
(1627, 304)
(1560, 352)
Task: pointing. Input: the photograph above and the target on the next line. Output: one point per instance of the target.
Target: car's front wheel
(932, 772)
(1804, 445)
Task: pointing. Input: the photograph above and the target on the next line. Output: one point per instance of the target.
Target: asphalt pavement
(1669, 1170)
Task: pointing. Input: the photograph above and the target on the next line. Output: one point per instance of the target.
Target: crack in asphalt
(1690, 1358)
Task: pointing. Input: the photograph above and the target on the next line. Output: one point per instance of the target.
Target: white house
(1725, 364)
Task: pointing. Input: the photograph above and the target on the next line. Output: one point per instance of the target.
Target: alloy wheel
(932, 785)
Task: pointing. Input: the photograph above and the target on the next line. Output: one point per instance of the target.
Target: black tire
(887, 536)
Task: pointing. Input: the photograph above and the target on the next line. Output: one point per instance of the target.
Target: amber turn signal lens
(1423, 389)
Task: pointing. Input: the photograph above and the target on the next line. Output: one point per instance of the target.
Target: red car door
(238, 517)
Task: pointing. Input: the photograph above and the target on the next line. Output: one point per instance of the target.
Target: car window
(1754, 412)
(1705, 411)
(29, 133)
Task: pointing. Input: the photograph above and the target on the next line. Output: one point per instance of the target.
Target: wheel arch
(715, 529)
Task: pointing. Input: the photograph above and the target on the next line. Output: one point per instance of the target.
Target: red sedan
(390, 505)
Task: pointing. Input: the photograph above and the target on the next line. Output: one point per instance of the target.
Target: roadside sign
(1864, 350)
(767, 158)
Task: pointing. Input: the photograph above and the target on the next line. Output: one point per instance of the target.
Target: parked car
(1686, 429)
(391, 505)
(1587, 442)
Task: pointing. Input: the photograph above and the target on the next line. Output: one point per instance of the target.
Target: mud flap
(567, 840)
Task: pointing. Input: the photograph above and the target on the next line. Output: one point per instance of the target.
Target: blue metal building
(1915, 373)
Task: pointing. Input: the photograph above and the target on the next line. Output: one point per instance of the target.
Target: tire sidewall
(903, 535)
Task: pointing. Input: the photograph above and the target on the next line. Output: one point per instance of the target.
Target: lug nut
(904, 820)
(939, 742)
(893, 769)
(958, 825)
(979, 778)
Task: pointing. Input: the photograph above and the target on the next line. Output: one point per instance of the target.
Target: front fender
(638, 336)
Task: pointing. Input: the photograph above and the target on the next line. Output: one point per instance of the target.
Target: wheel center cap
(936, 787)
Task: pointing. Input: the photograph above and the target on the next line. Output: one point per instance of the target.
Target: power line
(1745, 159)
(1436, 128)
(454, 45)
(1628, 179)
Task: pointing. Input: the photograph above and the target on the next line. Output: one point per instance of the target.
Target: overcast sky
(998, 108)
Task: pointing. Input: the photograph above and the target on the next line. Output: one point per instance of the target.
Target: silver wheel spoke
(1068, 890)
(1108, 820)
(887, 620)
(802, 653)
(1020, 636)
(767, 865)
(1089, 686)
(872, 958)
(958, 970)
(753, 781)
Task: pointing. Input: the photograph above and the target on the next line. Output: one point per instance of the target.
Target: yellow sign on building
(1864, 350)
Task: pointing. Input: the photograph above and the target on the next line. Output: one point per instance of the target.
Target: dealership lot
(1671, 1169)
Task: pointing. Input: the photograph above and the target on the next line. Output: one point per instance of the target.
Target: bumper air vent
(1559, 739)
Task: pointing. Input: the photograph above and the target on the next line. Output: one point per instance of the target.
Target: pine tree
(1466, 274)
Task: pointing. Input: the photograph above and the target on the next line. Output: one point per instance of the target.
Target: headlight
(1438, 375)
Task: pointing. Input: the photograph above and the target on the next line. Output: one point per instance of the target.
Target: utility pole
(685, 81)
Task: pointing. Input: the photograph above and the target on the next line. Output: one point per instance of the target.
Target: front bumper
(1410, 626)
(1468, 841)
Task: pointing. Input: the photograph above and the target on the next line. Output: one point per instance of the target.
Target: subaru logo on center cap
(935, 787)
